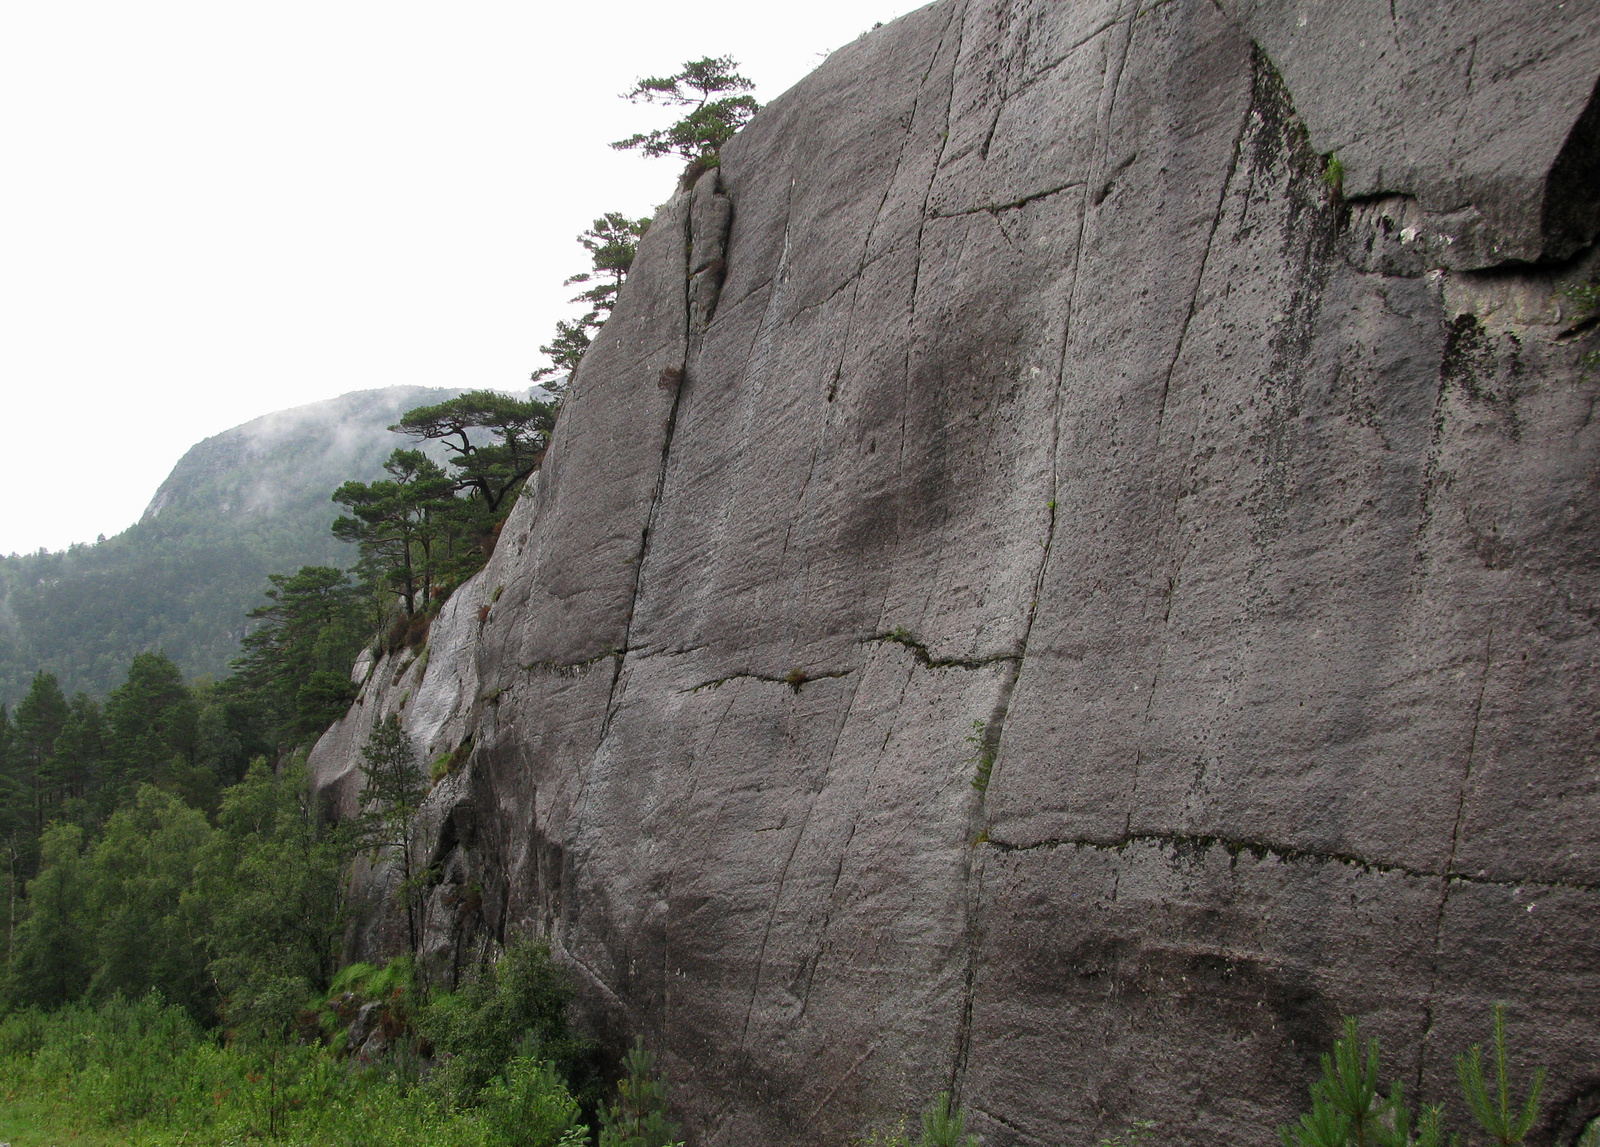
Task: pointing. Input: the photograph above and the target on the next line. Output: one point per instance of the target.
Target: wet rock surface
(1023, 366)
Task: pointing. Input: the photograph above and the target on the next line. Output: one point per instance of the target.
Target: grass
(144, 1073)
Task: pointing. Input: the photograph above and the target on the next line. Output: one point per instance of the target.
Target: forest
(176, 898)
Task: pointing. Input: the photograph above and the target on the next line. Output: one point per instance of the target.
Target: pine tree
(718, 102)
(612, 243)
(1497, 1113)
(40, 717)
(638, 1118)
(393, 793)
(403, 526)
(495, 441)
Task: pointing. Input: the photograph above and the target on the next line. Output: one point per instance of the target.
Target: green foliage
(1505, 1121)
(1585, 301)
(612, 243)
(638, 1118)
(393, 792)
(407, 529)
(1584, 297)
(271, 885)
(1347, 1109)
(983, 756)
(144, 930)
(565, 351)
(294, 671)
(451, 762)
(495, 441)
(426, 528)
(147, 1073)
(52, 953)
(945, 1126)
(1136, 1133)
(528, 1105)
(718, 102)
(515, 1007)
(240, 920)
(152, 727)
(1333, 174)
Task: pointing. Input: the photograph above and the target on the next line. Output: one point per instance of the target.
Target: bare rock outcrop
(1030, 364)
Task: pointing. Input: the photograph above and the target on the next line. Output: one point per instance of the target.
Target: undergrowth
(491, 1065)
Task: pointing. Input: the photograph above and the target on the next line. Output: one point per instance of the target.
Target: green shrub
(943, 1125)
(528, 1105)
(515, 1008)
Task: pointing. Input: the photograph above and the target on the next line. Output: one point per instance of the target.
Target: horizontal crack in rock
(927, 660)
(1261, 849)
(794, 680)
(571, 668)
(992, 208)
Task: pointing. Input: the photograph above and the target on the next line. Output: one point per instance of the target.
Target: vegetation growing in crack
(899, 635)
(1333, 175)
(983, 757)
(1584, 300)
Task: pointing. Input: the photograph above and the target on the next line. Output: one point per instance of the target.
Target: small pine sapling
(1136, 1133)
(638, 1118)
(944, 1125)
(1345, 1106)
(1498, 1113)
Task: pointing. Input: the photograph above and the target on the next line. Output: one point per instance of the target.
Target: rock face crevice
(1030, 364)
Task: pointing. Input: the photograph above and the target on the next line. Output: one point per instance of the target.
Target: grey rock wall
(1043, 379)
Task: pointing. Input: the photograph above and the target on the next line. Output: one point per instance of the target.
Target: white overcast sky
(212, 210)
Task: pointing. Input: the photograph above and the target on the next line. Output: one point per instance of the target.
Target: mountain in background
(241, 504)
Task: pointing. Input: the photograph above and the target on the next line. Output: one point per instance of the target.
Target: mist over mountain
(239, 505)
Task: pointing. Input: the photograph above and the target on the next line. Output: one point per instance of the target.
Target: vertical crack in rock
(877, 217)
(959, 20)
(1251, 112)
(958, 1053)
(783, 876)
(706, 226)
(1447, 874)
(973, 938)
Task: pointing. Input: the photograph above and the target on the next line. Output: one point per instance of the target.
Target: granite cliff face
(1028, 364)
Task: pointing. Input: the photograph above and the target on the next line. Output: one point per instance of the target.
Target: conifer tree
(151, 723)
(40, 717)
(495, 441)
(402, 525)
(1506, 1121)
(638, 1118)
(719, 104)
(612, 243)
(393, 793)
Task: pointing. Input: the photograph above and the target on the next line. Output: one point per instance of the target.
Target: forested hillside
(236, 507)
